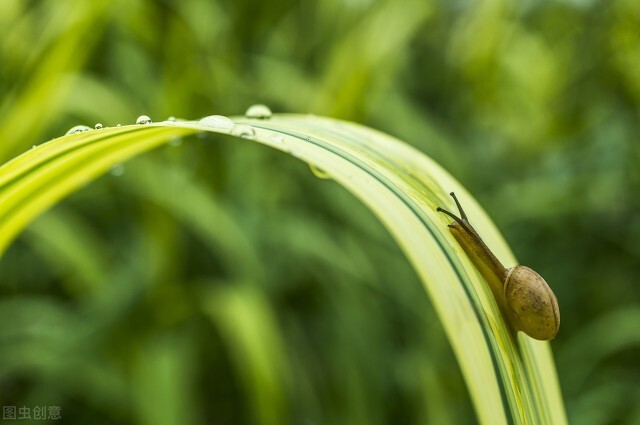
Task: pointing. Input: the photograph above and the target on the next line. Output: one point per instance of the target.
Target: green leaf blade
(511, 380)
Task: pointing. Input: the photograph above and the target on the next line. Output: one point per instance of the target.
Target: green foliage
(532, 106)
(509, 381)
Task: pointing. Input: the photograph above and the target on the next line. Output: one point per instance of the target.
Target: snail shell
(532, 303)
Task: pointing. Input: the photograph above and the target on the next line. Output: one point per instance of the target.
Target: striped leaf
(511, 379)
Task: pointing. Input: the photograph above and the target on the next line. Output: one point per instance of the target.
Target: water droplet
(280, 141)
(98, 126)
(143, 119)
(77, 129)
(217, 121)
(319, 172)
(175, 141)
(33, 147)
(119, 125)
(276, 138)
(117, 170)
(244, 131)
(171, 118)
(258, 111)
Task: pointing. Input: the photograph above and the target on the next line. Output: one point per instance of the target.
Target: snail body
(524, 298)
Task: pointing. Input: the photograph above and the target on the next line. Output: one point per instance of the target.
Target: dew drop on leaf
(143, 119)
(98, 126)
(258, 111)
(280, 142)
(319, 172)
(77, 129)
(217, 121)
(243, 131)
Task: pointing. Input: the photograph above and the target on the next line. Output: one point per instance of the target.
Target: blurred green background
(217, 281)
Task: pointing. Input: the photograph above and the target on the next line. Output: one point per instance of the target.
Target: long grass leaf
(510, 379)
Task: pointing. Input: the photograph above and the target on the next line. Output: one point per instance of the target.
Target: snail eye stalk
(462, 220)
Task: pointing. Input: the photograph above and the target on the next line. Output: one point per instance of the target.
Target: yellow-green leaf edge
(510, 380)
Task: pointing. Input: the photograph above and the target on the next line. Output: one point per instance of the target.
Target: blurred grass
(533, 107)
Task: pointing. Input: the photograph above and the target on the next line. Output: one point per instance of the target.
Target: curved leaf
(510, 379)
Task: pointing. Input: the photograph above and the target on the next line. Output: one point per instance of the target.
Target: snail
(523, 296)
